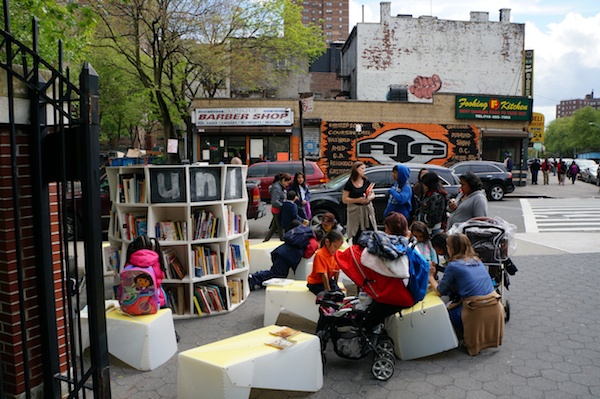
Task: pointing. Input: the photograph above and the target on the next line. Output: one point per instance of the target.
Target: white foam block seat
(303, 269)
(143, 342)
(294, 298)
(231, 367)
(423, 330)
(260, 255)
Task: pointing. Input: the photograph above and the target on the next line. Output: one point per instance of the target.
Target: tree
(125, 107)
(69, 22)
(180, 50)
(573, 134)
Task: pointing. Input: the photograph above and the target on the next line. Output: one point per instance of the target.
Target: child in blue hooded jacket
(400, 194)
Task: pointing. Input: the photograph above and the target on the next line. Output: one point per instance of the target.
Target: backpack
(298, 236)
(138, 292)
(419, 274)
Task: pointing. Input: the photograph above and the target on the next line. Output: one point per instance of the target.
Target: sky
(564, 34)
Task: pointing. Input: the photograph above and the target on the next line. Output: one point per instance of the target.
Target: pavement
(551, 346)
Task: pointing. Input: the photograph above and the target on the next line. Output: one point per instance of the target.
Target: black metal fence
(63, 145)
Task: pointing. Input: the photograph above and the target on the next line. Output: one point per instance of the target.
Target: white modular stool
(303, 270)
(295, 298)
(422, 330)
(231, 367)
(260, 255)
(143, 342)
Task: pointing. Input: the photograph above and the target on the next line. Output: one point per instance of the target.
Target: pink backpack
(138, 291)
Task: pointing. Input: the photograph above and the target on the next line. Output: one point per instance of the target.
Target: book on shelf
(112, 259)
(284, 332)
(171, 231)
(132, 188)
(180, 299)
(213, 295)
(173, 265)
(206, 224)
(236, 290)
(280, 343)
(235, 256)
(206, 260)
(201, 298)
(197, 305)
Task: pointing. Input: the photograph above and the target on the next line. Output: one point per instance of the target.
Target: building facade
(408, 59)
(331, 15)
(568, 107)
(452, 128)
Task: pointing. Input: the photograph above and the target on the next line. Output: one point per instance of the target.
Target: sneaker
(250, 282)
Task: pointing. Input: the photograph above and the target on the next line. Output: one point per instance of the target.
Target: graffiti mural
(425, 86)
(391, 143)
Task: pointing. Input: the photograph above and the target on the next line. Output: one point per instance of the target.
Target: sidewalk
(551, 344)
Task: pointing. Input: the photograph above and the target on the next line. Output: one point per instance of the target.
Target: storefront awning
(249, 130)
(518, 134)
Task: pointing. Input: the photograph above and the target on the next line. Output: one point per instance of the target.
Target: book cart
(198, 215)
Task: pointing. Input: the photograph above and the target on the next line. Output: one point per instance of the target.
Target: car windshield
(338, 181)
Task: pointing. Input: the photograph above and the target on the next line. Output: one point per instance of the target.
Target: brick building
(331, 15)
(568, 107)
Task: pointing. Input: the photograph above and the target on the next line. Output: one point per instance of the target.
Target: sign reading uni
(498, 108)
(244, 117)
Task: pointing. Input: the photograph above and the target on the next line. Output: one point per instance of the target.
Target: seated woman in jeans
(479, 315)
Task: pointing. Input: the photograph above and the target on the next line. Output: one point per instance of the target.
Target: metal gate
(63, 175)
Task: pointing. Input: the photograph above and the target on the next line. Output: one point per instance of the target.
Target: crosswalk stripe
(565, 214)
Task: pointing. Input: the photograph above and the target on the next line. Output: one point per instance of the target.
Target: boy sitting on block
(299, 242)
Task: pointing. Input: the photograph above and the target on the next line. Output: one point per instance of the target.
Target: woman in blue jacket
(400, 194)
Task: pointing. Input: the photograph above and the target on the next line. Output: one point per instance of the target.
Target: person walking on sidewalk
(561, 169)
(534, 168)
(278, 195)
(573, 172)
(546, 168)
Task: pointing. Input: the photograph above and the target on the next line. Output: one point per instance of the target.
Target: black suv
(494, 176)
(328, 197)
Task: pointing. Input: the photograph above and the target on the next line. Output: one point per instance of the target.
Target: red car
(265, 171)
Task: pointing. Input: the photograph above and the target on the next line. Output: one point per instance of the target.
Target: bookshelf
(198, 214)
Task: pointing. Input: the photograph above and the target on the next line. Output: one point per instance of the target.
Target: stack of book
(132, 188)
(171, 231)
(206, 224)
(209, 298)
(234, 260)
(207, 260)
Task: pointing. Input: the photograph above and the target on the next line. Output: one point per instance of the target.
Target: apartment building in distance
(567, 107)
(332, 15)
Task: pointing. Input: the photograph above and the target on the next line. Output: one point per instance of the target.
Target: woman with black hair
(433, 209)
(470, 203)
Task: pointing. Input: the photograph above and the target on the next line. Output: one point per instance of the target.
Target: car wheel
(496, 192)
(317, 215)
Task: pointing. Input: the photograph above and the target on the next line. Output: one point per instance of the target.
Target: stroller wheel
(385, 345)
(507, 312)
(382, 368)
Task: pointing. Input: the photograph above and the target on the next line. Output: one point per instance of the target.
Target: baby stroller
(346, 321)
(491, 239)
(355, 324)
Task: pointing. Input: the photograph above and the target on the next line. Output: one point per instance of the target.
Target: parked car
(583, 165)
(265, 171)
(494, 176)
(256, 207)
(590, 174)
(328, 197)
